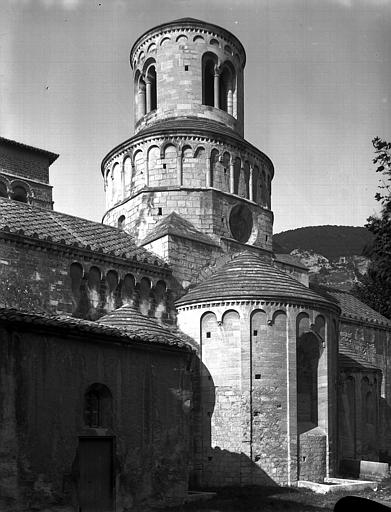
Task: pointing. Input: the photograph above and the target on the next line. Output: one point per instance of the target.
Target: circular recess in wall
(241, 222)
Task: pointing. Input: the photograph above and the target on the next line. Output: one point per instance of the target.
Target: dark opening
(208, 83)
(19, 194)
(208, 334)
(152, 73)
(98, 406)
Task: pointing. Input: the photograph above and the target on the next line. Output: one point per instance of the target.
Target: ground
(276, 499)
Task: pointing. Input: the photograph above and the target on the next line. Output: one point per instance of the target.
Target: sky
(317, 91)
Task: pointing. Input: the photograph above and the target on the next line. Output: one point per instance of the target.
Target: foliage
(330, 241)
(375, 287)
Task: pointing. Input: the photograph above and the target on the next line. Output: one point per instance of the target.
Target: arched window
(227, 89)
(121, 222)
(307, 357)
(151, 90)
(98, 406)
(19, 194)
(209, 62)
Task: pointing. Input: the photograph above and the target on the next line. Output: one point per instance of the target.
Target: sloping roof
(49, 155)
(290, 260)
(35, 222)
(129, 319)
(247, 276)
(176, 225)
(184, 125)
(66, 324)
(353, 308)
(348, 358)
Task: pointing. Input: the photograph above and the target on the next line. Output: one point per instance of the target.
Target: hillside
(329, 241)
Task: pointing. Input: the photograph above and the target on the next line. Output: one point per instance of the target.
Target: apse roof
(247, 276)
(129, 319)
(40, 223)
(174, 224)
(62, 324)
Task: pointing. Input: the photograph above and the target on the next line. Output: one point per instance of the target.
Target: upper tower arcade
(187, 67)
(188, 155)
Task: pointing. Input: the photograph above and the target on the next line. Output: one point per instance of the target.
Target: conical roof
(247, 276)
(129, 319)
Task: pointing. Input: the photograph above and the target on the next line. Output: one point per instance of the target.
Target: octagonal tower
(188, 156)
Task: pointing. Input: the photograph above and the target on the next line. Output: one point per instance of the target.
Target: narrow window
(98, 406)
(121, 222)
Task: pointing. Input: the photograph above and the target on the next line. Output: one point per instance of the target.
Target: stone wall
(312, 455)
(371, 343)
(45, 277)
(44, 378)
(177, 55)
(249, 404)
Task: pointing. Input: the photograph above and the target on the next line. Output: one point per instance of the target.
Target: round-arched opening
(98, 406)
(241, 223)
(19, 193)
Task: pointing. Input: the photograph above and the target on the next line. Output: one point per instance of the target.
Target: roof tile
(32, 221)
(247, 276)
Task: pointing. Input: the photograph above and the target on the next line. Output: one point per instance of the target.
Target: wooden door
(96, 474)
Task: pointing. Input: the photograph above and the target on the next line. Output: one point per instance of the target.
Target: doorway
(96, 483)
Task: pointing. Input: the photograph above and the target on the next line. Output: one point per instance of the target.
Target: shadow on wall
(215, 463)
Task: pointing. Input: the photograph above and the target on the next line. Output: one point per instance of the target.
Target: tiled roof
(353, 308)
(290, 260)
(247, 276)
(35, 222)
(348, 358)
(175, 225)
(77, 326)
(50, 156)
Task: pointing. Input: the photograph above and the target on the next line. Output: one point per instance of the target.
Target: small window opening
(98, 406)
(210, 458)
(266, 238)
(164, 166)
(257, 376)
(208, 334)
(186, 68)
(255, 332)
(121, 222)
(160, 211)
(19, 194)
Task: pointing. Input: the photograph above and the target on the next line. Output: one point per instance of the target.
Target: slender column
(231, 176)
(230, 100)
(216, 83)
(141, 102)
(250, 184)
(149, 95)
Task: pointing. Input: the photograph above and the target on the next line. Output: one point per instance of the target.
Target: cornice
(188, 24)
(279, 302)
(197, 134)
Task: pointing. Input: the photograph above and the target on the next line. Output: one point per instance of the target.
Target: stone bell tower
(187, 169)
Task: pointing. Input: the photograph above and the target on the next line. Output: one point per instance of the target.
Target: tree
(375, 286)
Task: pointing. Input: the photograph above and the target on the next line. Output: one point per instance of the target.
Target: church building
(169, 348)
